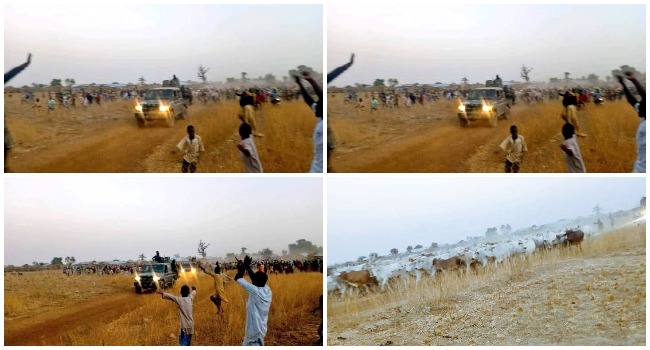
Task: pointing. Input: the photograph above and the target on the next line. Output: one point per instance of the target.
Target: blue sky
(123, 42)
(374, 215)
(446, 43)
(106, 218)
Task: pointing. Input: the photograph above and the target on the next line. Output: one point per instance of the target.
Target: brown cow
(570, 237)
(358, 279)
(447, 265)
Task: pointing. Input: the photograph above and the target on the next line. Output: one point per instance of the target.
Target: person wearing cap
(639, 107)
(257, 304)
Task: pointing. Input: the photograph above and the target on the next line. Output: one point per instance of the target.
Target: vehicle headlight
(137, 278)
(156, 278)
(487, 108)
(193, 270)
(164, 108)
(138, 108)
(461, 108)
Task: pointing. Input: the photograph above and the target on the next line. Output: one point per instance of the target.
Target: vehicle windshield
(186, 265)
(482, 94)
(157, 268)
(159, 94)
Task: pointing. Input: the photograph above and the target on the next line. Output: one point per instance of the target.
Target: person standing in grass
(374, 104)
(515, 146)
(252, 163)
(191, 145)
(572, 150)
(219, 280)
(184, 303)
(639, 107)
(317, 107)
(258, 303)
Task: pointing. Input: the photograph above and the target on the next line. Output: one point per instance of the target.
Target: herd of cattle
(382, 272)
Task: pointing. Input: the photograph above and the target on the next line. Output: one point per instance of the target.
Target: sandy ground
(590, 301)
(81, 304)
(429, 139)
(105, 139)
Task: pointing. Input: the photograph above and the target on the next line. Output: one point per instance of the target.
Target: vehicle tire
(138, 290)
(171, 120)
(463, 122)
(141, 122)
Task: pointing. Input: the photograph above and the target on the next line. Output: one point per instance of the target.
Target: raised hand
(29, 58)
(352, 58)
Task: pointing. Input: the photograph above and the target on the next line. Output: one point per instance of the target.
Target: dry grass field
(105, 138)
(429, 138)
(49, 308)
(596, 296)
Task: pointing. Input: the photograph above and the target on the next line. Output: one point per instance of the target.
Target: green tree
(230, 255)
(70, 82)
(142, 257)
(142, 80)
(55, 82)
(57, 261)
(378, 82)
(303, 246)
(593, 78)
(243, 250)
(231, 80)
(464, 81)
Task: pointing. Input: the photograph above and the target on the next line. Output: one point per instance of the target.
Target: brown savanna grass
(550, 276)
(286, 147)
(609, 147)
(155, 321)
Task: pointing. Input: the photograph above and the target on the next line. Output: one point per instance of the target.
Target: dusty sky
(446, 43)
(121, 43)
(106, 218)
(375, 215)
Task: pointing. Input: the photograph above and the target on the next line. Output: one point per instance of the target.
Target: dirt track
(48, 327)
(429, 139)
(105, 139)
(579, 301)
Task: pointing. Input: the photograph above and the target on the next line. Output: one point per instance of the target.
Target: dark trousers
(512, 167)
(188, 166)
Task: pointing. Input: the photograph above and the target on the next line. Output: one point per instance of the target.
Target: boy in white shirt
(572, 150)
(252, 163)
(515, 145)
(191, 145)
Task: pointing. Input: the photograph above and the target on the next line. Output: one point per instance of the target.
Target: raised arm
(628, 95)
(637, 84)
(305, 95)
(12, 73)
(314, 84)
(337, 71)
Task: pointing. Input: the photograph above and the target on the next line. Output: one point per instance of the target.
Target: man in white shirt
(184, 303)
(191, 146)
(257, 304)
(515, 146)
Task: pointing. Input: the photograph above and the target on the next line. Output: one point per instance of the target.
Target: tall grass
(154, 321)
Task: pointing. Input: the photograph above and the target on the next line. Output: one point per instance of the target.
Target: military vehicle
(488, 103)
(166, 103)
(154, 276)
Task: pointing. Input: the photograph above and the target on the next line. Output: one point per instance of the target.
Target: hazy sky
(120, 42)
(106, 218)
(375, 215)
(446, 43)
